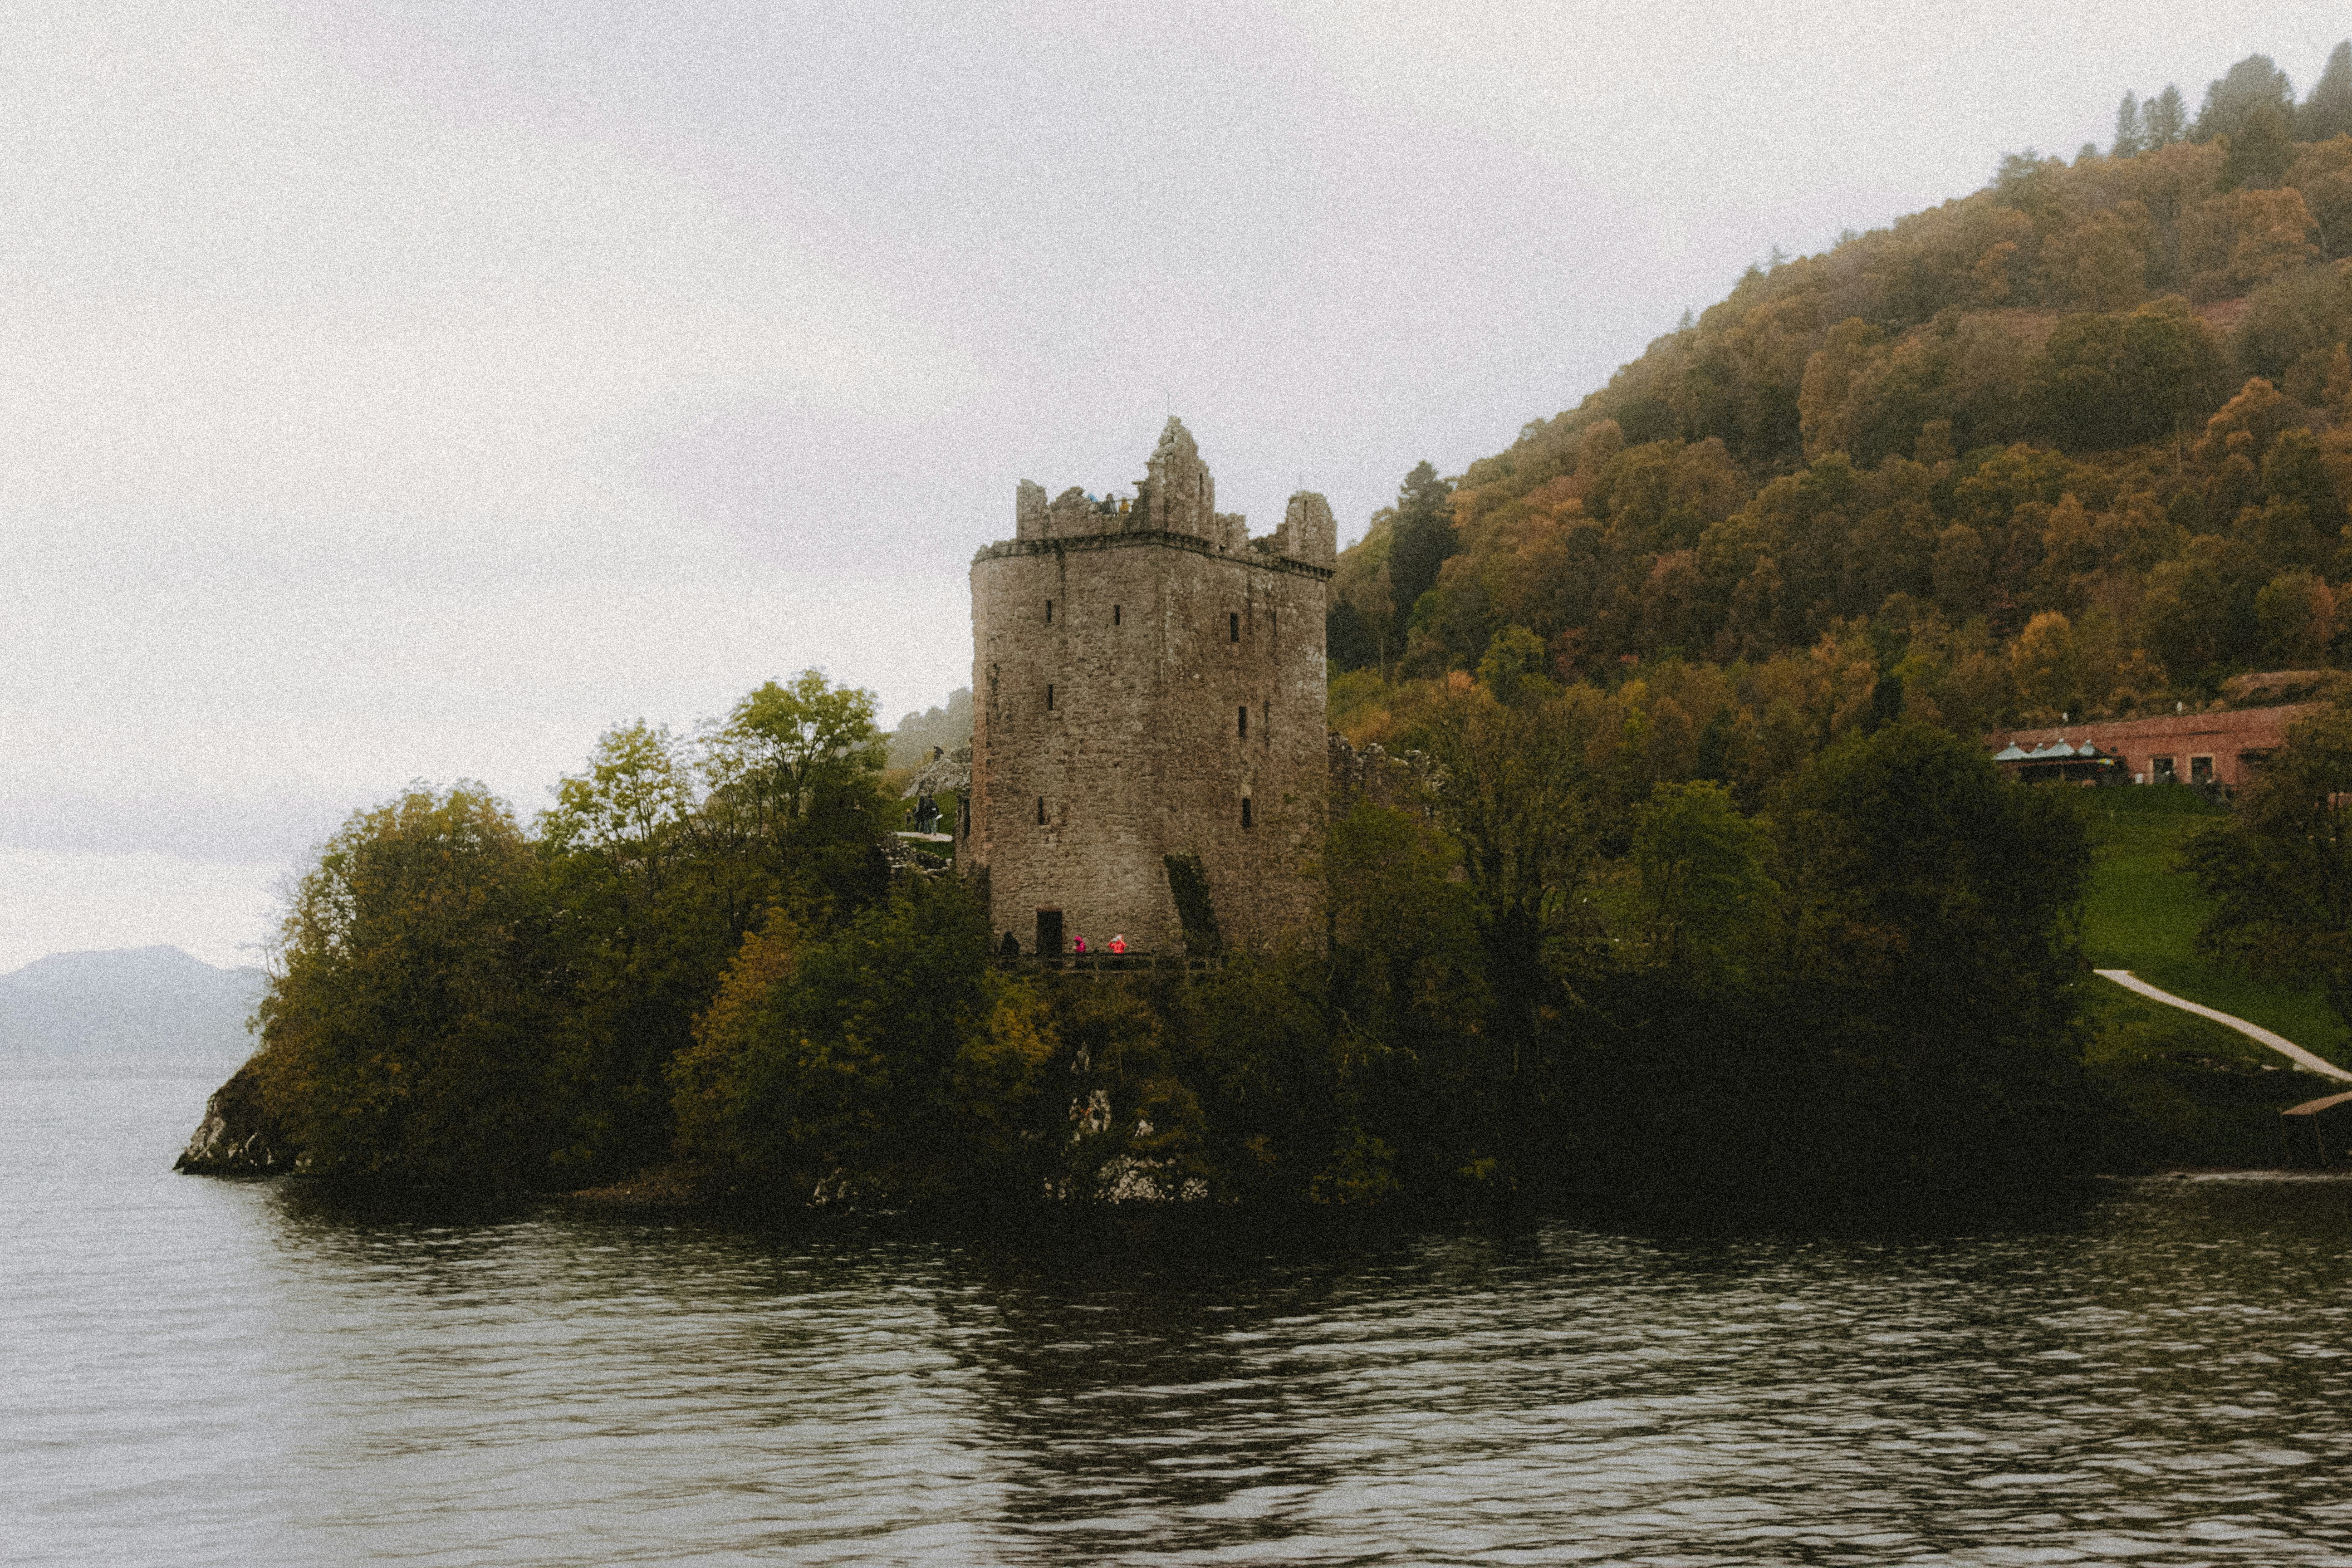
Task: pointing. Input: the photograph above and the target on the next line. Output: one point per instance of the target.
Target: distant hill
(131, 1010)
(946, 728)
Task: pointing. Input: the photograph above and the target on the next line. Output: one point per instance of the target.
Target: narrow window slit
(1245, 811)
(1232, 628)
(1049, 697)
(1114, 615)
(1049, 612)
(1244, 719)
(1041, 811)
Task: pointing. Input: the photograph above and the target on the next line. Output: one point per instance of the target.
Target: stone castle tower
(1147, 684)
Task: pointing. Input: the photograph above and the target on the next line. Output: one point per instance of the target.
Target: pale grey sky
(410, 390)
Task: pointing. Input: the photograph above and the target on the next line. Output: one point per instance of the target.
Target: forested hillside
(2080, 442)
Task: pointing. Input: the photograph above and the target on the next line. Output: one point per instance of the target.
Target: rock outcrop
(949, 772)
(238, 1137)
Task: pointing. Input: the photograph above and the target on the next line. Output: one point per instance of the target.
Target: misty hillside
(2078, 442)
(132, 1009)
(946, 728)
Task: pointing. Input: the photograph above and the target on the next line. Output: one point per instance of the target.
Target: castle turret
(1029, 510)
(1148, 705)
(1178, 496)
(1308, 534)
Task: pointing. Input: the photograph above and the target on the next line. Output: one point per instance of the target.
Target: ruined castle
(1148, 730)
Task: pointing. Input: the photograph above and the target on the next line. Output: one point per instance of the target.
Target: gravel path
(2256, 1032)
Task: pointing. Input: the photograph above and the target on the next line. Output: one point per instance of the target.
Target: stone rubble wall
(1407, 781)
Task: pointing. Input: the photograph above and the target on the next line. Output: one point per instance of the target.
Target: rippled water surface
(204, 1372)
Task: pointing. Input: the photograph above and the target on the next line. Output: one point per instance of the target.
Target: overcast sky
(410, 390)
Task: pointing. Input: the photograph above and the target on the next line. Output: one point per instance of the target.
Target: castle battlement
(1262, 553)
(1147, 689)
(1176, 498)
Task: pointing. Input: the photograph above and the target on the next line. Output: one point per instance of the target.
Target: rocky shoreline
(238, 1136)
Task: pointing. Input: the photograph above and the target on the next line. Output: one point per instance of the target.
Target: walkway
(2279, 1043)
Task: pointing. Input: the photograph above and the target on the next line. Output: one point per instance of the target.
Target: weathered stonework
(1117, 647)
(1408, 781)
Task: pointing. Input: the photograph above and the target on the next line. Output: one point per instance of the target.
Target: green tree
(2327, 112)
(2260, 149)
(1516, 799)
(1705, 888)
(2165, 119)
(794, 796)
(626, 807)
(2253, 84)
(1424, 539)
(2280, 869)
(1402, 931)
(2027, 181)
(2297, 469)
(1963, 574)
(1514, 656)
(645, 931)
(2115, 380)
(402, 1031)
(785, 752)
(883, 1062)
(2127, 143)
(1350, 641)
(1930, 964)
(2297, 612)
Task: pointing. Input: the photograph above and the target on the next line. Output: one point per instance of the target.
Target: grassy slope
(2142, 915)
(2197, 1093)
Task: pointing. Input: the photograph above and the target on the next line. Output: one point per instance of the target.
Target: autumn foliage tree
(2115, 392)
(460, 999)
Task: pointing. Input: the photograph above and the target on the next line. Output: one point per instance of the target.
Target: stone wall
(1107, 730)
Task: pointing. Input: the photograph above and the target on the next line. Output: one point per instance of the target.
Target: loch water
(198, 1371)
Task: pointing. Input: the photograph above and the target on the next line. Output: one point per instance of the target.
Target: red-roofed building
(2187, 748)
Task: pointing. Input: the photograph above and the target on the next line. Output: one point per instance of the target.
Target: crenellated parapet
(1175, 503)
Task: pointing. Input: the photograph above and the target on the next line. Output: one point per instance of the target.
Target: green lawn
(2142, 915)
(2196, 1093)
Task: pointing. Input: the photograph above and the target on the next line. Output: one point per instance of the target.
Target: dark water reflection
(202, 1372)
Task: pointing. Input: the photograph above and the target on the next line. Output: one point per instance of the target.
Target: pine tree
(2128, 133)
(2252, 83)
(2259, 150)
(2165, 119)
(1424, 537)
(2327, 112)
